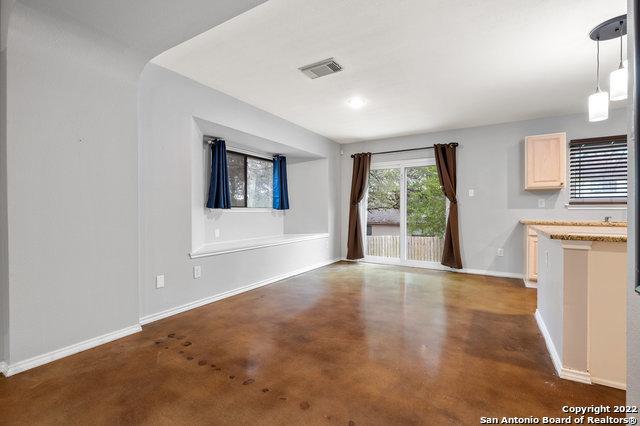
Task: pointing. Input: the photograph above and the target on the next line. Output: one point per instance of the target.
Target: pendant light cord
(620, 66)
(597, 64)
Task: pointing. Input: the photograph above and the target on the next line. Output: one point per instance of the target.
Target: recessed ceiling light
(356, 102)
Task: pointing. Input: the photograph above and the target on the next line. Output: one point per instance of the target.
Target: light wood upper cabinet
(545, 161)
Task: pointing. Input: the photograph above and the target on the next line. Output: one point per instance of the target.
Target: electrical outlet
(541, 203)
(500, 252)
(472, 192)
(216, 233)
(197, 272)
(159, 281)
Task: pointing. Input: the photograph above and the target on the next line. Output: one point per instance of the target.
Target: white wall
(168, 105)
(71, 235)
(239, 224)
(550, 296)
(72, 202)
(69, 227)
(4, 225)
(633, 299)
(491, 161)
(310, 188)
(5, 9)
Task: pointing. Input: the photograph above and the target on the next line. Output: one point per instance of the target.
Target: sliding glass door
(426, 214)
(405, 214)
(383, 215)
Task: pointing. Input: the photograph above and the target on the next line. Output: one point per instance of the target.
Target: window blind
(598, 170)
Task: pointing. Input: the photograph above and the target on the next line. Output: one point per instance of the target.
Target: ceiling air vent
(322, 68)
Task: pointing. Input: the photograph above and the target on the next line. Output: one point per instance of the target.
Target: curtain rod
(211, 139)
(408, 149)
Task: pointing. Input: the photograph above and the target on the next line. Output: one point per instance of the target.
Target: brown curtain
(359, 177)
(446, 163)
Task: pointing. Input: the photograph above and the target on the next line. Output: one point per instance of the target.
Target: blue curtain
(280, 191)
(219, 195)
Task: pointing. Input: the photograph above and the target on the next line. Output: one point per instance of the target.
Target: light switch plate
(500, 252)
(541, 203)
(546, 259)
(159, 281)
(216, 233)
(472, 192)
(197, 272)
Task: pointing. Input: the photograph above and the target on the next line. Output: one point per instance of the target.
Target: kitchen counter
(611, 233)
(572, 222)
(581, 300)
(566, 230)
(580, 271)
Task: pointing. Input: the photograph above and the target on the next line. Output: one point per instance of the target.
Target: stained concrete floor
(348, 344)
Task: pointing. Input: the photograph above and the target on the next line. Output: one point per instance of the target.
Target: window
(598, 170)
(237, 179)
(250, 180)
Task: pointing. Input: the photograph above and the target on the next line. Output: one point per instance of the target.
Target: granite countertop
(571, 222)
(613, 234)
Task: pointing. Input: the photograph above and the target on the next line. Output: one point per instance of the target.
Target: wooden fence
(383, 245)
(418, 248)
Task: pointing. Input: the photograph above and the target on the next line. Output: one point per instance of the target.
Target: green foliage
(384, 189)
(426, 204)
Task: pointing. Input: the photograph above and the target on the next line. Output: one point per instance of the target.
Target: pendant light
(619, 79)
(599, 101)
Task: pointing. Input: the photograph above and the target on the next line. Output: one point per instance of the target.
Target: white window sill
(223, 247)
(596, 206)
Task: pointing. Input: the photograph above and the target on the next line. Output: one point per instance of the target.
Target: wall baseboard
(563, 372)
(609, 383)
(551, 348)
(36, 361)
(575, 375)
(487, 272)
(438, 267)
(210, 299)
(3, 368)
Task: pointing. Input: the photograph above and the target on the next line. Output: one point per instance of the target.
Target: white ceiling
(422, 65)
(149, 26)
